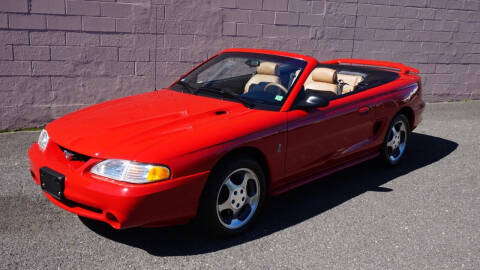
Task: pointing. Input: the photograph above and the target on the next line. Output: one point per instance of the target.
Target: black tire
(387, 152)
(208, 217)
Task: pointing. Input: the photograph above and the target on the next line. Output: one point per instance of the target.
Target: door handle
(364, 110)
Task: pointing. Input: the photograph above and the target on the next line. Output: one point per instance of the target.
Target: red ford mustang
(242, 125)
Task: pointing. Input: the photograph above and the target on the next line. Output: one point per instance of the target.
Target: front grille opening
(74, 156)
(73, 204)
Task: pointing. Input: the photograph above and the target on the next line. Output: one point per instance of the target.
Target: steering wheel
(281, 87)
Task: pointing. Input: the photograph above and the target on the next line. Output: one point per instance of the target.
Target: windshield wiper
(187, 86)
(225, 92)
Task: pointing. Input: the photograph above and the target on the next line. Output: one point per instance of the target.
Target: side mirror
(311, 100)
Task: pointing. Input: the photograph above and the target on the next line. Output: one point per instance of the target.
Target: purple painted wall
(60, 55)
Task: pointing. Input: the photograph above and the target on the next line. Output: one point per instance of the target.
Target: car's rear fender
(406, 100)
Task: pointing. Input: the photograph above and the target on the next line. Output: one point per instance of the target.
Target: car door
(322, 138)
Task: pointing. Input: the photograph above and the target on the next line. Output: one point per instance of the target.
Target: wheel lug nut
(235, 193)
(233, 201)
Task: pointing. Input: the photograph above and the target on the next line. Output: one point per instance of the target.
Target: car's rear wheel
(395, 142)
(233, 196)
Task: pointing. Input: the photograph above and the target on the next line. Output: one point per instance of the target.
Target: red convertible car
(242, 125)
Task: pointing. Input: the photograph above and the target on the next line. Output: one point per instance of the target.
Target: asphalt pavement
(422, 214)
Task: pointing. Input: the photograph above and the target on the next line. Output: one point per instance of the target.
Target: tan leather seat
(322, 79)
(266, 72)
(351, 81)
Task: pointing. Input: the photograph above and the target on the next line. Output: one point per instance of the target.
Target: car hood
(125, 127)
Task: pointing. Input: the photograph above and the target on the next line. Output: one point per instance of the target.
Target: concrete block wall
(60, 55)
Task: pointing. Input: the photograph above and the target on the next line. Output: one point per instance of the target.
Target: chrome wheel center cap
(238, 198)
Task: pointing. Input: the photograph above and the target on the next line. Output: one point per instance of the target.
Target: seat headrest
(326, 75)
(267, 68)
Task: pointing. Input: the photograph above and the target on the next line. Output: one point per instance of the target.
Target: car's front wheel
(232, 197)
(395, 142)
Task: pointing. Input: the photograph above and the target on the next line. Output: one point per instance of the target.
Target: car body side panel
(329, 134)
(384, 101)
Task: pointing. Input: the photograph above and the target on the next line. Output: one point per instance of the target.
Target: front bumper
(122, 205)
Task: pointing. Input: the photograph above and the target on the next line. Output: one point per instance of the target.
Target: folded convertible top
(401, 67)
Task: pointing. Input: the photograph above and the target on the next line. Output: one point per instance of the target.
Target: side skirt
(312, 178)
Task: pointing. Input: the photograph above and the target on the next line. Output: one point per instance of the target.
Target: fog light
(111, 217)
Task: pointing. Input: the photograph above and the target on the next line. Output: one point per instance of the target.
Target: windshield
(259, 81)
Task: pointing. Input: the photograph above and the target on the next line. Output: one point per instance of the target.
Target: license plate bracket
(52, 182)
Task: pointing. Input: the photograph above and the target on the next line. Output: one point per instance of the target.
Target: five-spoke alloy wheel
(396, 139)
(233, 196)
(238, 197)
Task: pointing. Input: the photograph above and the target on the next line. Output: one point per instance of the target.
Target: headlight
(43, 140)
(130, 171)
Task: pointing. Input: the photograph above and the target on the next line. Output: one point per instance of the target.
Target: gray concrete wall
(60, 55)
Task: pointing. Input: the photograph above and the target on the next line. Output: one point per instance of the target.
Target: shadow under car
(287, 209)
